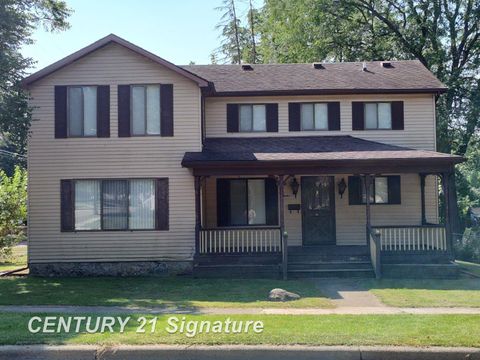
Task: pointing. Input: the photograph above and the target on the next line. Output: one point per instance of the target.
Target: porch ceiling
(311, 154)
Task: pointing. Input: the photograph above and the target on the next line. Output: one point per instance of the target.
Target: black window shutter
(271, 201)
(123, 110)
(397, 115)
(334, 115)
(294, 116)
(272, 117)
(166, 106)
(66, 205)
(394, 190)
(354, 190)
(60, 112)
(162, 204)
(103, 111)
(232, 118)
(223, 202)
(358, 117)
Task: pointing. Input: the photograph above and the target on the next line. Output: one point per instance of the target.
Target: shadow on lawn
(184, 292)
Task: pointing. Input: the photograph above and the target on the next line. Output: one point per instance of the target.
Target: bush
(468, 247)
(13, 209)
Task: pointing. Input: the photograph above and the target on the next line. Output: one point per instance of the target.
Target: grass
(410, 330)
(155, 291)
(17, 260)
(470, 267)
(427, 293)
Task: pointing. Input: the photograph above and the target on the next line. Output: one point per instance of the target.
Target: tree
(233, 33)
(13, 209)
(442, 34)
(18, 19)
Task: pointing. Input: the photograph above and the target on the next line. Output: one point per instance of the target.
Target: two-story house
(140, 166)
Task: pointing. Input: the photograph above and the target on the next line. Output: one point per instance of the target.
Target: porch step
(237, 271)
(329, 265)
(302, 258)
(333, 273)
(230, 259)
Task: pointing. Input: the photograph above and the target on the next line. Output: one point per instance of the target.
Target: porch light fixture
(294, 185)
(342, 186)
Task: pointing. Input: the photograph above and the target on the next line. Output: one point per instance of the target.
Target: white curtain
(370, 116)
(153, 109)
(142, 204)
(75, 110)
(321, 117)
(384, 116)
(306, 115)
(87, 205)
(256, 202)
(138, 110)
(381, 190)
(245, 114)
(90, 110)
(259, 118)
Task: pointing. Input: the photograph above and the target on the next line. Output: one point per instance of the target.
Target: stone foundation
(121, 268)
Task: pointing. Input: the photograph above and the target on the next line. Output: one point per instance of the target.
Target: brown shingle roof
(408, 76)
(297, 149)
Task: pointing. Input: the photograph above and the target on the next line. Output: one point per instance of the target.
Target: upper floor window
(314, 116)
(145, 109)
(82, 110)
(252, 118)
(378, 115)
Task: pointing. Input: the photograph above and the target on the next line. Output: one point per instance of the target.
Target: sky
(179, 31)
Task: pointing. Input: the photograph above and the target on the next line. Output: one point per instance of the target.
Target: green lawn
(17, 260)
(470, 267)
(427, 293)
(155, 291)
(413, 330)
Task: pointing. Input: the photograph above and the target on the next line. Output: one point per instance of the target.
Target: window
(252, 118)
(145, 109)
(243, 202)
(314, 116)
(378, 115)
(383, 190)
(82, 110)
(114, 204)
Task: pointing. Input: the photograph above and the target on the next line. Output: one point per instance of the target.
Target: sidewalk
(234, 352)
(343, 310)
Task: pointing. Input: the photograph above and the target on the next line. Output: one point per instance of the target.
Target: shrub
(468, 247)
(13, 209)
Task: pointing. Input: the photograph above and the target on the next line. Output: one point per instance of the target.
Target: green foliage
(468, 247)
(13, 209)
(18, 19)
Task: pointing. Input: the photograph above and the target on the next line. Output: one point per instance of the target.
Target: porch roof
(334, 154)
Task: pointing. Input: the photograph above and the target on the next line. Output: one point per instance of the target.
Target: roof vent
(247, 67)
(387, 64)
(318, 66)
(364, 66)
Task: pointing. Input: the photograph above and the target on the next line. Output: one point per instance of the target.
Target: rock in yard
(282, 295)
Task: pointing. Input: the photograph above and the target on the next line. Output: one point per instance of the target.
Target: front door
(318, 210)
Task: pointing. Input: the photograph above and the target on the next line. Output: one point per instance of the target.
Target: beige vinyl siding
(350, 220)
(419, 112)
(51, 160)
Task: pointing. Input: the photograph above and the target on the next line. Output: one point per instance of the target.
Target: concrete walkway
(234, 352)
(348, 293)
(344, 310)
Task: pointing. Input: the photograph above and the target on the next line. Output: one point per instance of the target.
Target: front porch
(322, 218)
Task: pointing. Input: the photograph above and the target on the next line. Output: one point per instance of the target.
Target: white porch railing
(412, 238)
(240, 240)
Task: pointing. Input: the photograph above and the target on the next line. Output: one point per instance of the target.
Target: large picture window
(82, 110)
(244, 202)
(114, 204)
(145, 113)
